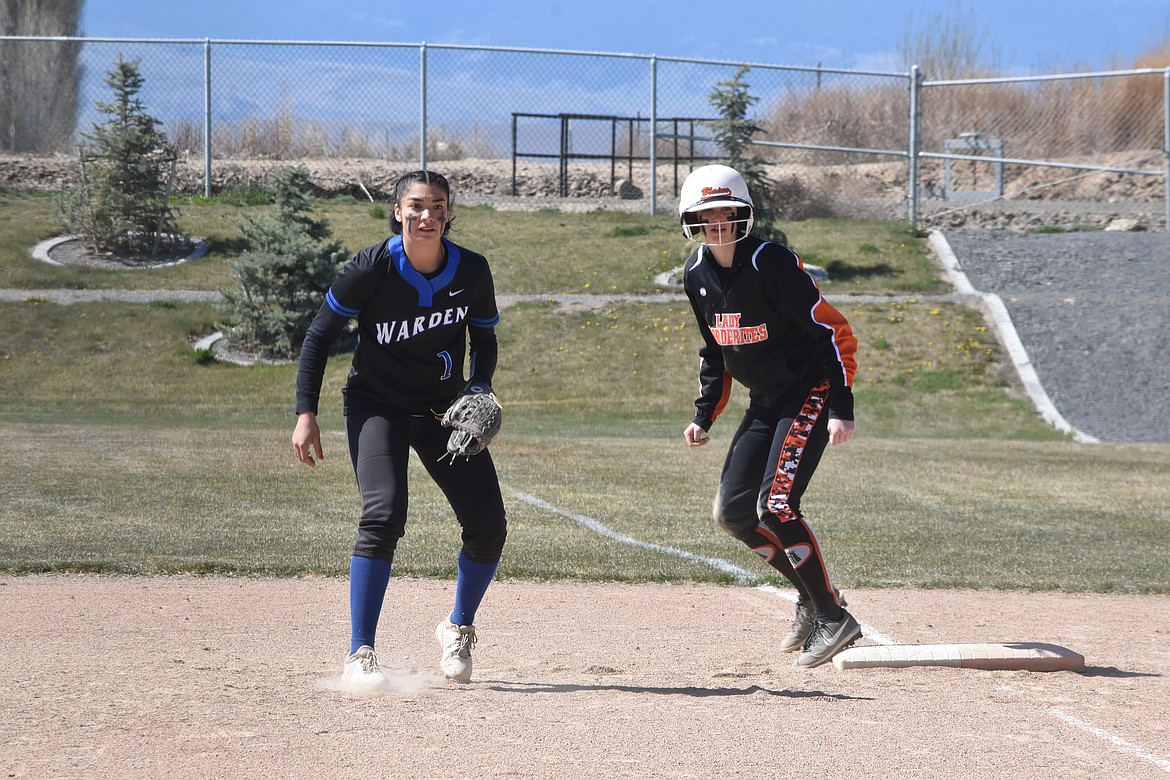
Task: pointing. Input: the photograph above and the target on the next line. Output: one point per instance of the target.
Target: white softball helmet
(709, 187)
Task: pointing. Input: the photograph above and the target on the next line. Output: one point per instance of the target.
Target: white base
(1013, 656)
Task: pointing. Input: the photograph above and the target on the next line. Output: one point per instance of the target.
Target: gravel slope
(1093, 311)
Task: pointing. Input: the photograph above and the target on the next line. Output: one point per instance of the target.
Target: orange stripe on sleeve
(724, 397)
(844, 342)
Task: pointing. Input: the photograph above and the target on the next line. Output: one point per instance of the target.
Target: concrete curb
(42, 252)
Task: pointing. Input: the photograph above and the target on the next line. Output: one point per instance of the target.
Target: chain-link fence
(592, 124)
(1059, 138)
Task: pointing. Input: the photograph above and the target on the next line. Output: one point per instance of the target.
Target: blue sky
(1024, 36)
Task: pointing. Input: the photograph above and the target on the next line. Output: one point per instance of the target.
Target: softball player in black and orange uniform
(421, 302)
(765, 324)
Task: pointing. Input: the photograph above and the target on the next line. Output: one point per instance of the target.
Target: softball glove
(475, 419)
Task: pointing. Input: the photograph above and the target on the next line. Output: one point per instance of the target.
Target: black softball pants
(379, 447)
(769, 464)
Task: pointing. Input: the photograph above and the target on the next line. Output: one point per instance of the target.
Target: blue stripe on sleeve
(482, 323)
(335, 305)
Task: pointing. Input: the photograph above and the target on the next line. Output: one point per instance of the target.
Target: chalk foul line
(741, 575)
(1126, 746)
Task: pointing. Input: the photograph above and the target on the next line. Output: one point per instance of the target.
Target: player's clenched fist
(695, 436)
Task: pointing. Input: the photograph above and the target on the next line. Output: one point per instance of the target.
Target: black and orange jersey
(765, 323)
(414, 331)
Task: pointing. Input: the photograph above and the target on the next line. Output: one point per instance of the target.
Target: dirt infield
(184, 677)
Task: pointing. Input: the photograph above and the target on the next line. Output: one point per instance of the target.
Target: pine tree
(733, 133)
(284, 274)
(123, 205)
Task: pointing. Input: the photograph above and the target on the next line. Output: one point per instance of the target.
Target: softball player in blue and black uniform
(424, 307)
(765, 324)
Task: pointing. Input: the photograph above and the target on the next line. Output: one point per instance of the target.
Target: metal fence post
(514, 153)
(422, 114)
(912, 169)
(563, 173)
(653, 135)
(207, 117)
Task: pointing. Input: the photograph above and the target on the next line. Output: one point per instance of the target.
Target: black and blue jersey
(414, 330)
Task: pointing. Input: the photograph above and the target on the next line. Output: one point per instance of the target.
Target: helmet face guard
(711, 187)
(693, 222)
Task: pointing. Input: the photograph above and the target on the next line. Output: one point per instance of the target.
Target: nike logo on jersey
(400, 330)
(453, 293)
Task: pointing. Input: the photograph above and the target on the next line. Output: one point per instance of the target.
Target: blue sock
(367, 587)
(470, 585)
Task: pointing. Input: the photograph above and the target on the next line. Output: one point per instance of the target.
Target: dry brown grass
(287, 136)
(1057, 120)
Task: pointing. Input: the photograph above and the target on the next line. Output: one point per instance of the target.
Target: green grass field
(127, 455)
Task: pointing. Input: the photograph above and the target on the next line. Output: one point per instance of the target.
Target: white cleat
(362, 673)
(457, 642)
